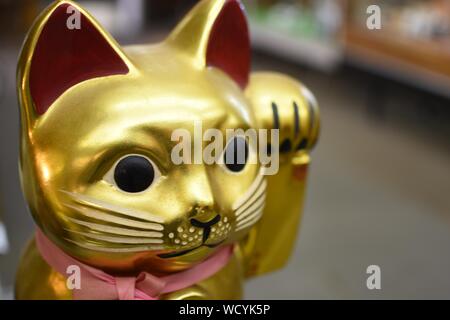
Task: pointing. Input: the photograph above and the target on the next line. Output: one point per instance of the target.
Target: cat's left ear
(65, 47)
(215, 33)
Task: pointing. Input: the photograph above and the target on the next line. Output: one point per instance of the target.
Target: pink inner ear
(229, 43)
(63, 58)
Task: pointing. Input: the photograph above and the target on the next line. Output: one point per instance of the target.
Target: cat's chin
(193, 252)
(153, 262)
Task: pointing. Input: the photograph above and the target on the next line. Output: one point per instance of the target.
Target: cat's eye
(133, 174)
(236, 154)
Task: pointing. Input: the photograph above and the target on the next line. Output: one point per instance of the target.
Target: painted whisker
(105, 206)
(254, 186)
(99, 215)
(257, 198)
(244, 217)
(250, 223)
(117, 249)
(248, 209)
(120, 240)
(116, 230)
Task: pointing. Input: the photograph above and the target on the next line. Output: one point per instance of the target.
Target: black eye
(302, 145)
(134, 174)
(236, 154)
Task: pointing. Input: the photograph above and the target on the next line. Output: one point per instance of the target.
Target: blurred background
(379, 185)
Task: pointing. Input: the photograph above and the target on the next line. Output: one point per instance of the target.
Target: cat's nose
(205, 225)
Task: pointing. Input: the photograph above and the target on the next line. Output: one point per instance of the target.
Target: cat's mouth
(181, 253)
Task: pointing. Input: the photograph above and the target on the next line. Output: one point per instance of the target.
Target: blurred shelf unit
(412, 46)
(300, 31)
(314, 52)
(420, 63)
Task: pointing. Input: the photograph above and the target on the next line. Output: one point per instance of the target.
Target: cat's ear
(215, 33)
(65, 46)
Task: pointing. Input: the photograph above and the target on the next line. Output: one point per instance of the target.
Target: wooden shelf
(421, 63)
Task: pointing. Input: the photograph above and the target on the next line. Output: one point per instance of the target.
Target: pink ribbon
(98, 285)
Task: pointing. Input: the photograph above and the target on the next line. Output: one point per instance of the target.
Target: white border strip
(4, 244)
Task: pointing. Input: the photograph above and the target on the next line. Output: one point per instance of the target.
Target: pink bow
(98, 285)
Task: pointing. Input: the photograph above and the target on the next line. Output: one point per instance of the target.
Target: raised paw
(283, 103)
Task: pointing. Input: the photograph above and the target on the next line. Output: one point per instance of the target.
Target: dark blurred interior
(380, 179)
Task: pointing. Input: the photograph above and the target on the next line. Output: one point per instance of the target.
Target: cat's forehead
(165, 90)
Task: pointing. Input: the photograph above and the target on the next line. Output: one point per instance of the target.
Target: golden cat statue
(118, 215)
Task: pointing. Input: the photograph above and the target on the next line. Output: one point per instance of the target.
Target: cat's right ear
(215, 34)
(65, 47)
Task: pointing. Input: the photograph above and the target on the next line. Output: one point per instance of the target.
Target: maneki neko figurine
(117, 216)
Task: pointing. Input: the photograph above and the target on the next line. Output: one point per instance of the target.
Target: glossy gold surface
(68, 153)
(272, 239)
